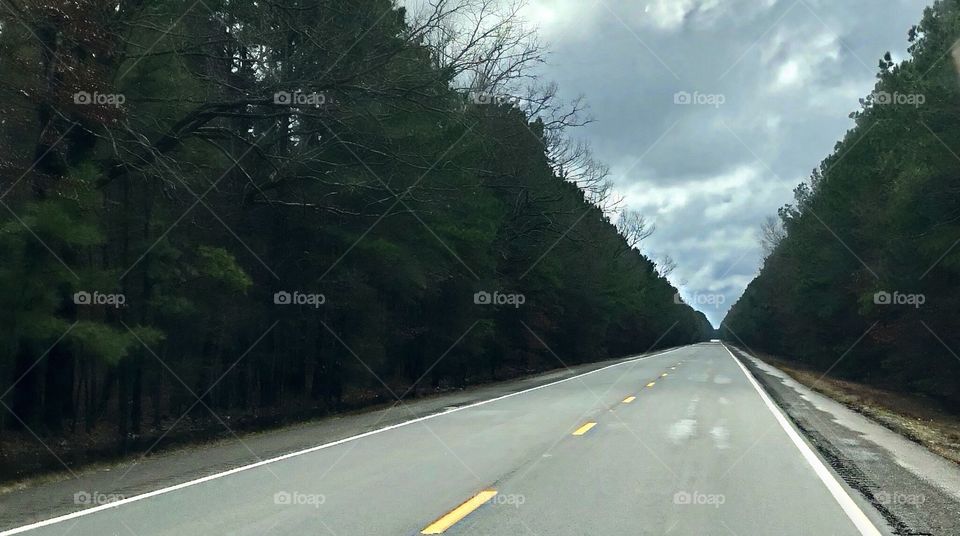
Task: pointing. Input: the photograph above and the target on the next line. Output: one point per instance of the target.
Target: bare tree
(483, 45)
(490, 51)
(771, 234)
(665, 266)
(634, 227)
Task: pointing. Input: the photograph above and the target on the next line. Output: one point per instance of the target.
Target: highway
(680, 442)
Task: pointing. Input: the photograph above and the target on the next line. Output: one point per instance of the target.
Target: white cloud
(788, 74)
(668, 14)
(799, 60)
(565, 21)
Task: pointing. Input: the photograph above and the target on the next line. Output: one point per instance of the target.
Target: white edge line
(147, 495)
(856, 515)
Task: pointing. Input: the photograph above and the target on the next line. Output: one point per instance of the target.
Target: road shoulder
(915, 417)
(915, 490)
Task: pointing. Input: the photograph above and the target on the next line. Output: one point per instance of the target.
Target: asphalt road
(700, 450)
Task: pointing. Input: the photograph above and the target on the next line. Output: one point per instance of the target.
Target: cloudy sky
(772, 83)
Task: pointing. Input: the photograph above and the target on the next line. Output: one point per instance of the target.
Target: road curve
(681, 442)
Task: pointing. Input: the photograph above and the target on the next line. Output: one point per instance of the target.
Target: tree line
(261, 211)
(860, 278)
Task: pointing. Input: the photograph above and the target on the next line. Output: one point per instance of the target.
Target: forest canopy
(272, 210)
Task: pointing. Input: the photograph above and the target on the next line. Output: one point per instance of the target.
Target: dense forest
(264, 211)
(861, 275)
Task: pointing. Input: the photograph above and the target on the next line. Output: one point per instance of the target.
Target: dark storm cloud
(771, 83)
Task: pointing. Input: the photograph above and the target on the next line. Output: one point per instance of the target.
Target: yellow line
(664, 375)
(651, 384)
(450, 519)
(584, 429)
(629, 399)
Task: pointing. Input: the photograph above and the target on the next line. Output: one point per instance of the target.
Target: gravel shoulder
(915, 489)
(917, 418)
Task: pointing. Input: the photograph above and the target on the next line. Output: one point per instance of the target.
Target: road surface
(682, 442)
